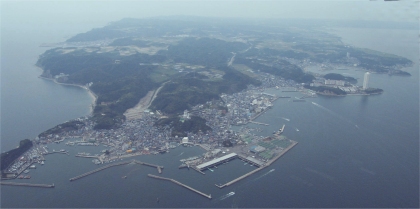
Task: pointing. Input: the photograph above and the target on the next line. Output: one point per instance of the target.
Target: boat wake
(227, 195)
(265, 174)
(334, 114)
(286, 119)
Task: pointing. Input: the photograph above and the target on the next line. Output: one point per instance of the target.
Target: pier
(97, 170)
(56, 152)
(259, 123)
(260, 168)
(181, 184)
(27, 185)
(216, 161)
(159, 168)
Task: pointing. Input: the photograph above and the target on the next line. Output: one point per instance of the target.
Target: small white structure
(366, 81)
(184, 140)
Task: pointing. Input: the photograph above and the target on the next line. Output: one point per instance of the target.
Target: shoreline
(90, 92)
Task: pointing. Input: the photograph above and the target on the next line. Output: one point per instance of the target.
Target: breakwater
(181, 184)
(27, 185)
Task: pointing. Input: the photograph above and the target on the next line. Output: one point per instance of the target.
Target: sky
(100, 12)
(36, 17)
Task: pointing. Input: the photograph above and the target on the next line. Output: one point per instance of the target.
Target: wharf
(56, 152)
(99, 169)
(181, 184)
(259, 123)
(28, 185)
(159, 168)
(260, 168)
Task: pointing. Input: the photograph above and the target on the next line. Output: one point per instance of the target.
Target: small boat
(210, 170)
(26, 171)
(27, 177)
(124, 177)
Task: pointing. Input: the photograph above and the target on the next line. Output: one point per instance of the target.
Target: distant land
(196, 59)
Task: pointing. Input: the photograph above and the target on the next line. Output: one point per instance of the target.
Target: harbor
(181, 184)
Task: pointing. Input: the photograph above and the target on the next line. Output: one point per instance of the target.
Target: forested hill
(197, 58)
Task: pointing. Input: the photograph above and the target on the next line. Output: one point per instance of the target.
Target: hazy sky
(102, 12)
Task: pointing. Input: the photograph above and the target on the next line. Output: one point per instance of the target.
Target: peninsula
(159, 85)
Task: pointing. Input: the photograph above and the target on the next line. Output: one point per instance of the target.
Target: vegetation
(9, 157)
(67, 126)
(282, 68)
(326, 90)
(204, 51)
(373, 91)
(336, 76)
(185, 92)
(181, 127)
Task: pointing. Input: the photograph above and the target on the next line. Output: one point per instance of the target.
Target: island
(158, 85)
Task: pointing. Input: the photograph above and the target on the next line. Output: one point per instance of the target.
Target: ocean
(353, 151)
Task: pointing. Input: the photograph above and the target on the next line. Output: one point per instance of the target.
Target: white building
(366, 81)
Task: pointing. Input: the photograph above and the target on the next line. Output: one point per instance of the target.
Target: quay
(216, 161)
(28, 185)
(181, 184)
(99, 169)
(56, 152)
(159, 168)
(259, 123)
(294, 143)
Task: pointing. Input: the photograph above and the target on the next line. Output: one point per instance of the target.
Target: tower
(366, 81)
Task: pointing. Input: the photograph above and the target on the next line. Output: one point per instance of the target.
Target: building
(257, 149)
(366, 81)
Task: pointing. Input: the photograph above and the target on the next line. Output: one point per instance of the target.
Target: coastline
(90, 92)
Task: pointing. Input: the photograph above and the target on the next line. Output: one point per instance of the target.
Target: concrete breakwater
(181, 184)
(159, 168)
(27, 185)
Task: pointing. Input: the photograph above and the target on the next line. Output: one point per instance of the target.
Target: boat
(32, 166)
(124, 177)
(272, 170)
(245, 163)
(42, 162)
(231, 193)
(210, 170)
(297, 129)
(26, 171)
(20, 177)
(27, 177)
(62, 150)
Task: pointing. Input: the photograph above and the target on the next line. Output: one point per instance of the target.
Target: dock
(27, 185)
(259, 123)
(294, 143)
(56, 152)
(99, 169)
(181, 184)
(159, 168)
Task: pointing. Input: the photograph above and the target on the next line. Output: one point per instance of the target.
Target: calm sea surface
(353, 151)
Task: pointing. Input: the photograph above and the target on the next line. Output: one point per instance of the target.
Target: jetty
(159, 168)
(27, 185)
(268, 163)
(181, 184)
(99, 169)
(259, 123)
